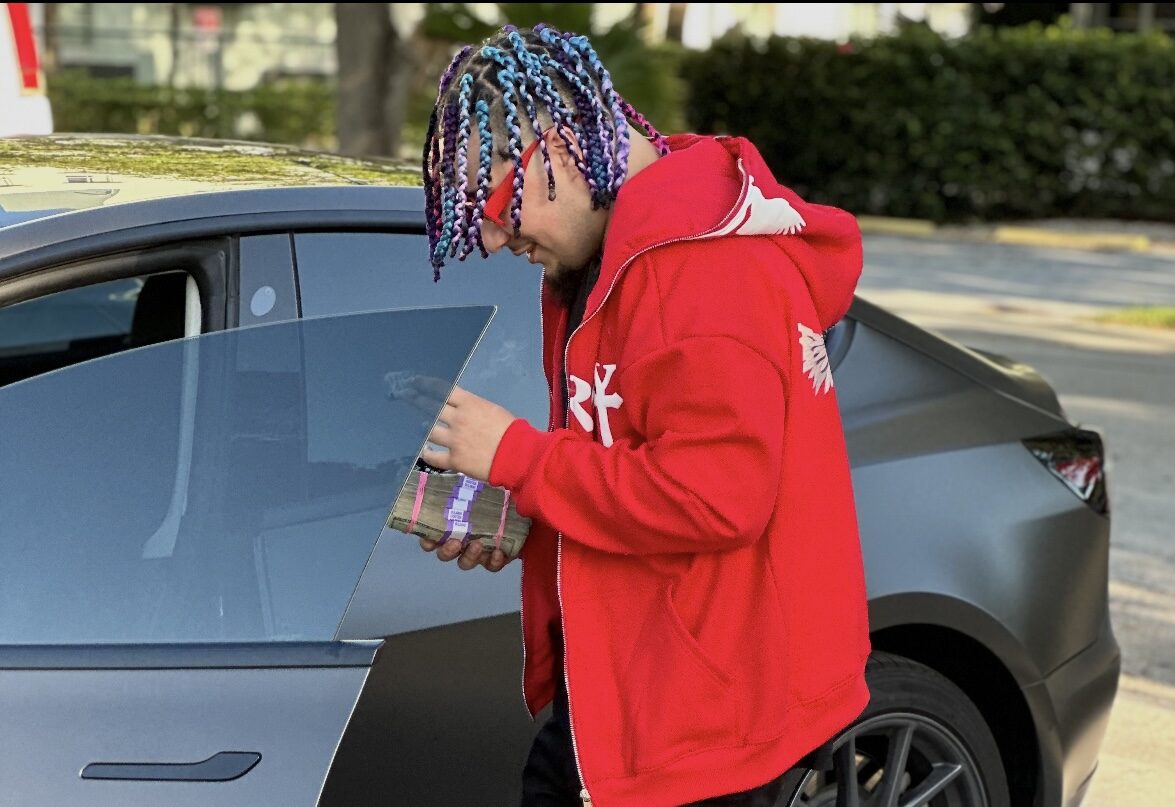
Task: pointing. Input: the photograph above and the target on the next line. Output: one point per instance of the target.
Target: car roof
(68, 196)
(56, 174)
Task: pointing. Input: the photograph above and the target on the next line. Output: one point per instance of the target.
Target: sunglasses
(499, 198)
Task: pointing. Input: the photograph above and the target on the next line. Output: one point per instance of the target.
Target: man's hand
(474, 554)
(470, 428)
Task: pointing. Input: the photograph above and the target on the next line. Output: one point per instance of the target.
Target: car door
(441, 720)
(183, 526)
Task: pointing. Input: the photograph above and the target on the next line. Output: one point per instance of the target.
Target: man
(693, 595)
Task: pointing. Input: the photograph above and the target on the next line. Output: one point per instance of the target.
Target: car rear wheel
(920, 743)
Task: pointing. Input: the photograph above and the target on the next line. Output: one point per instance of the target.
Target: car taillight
(26, 47)
(1077, 458)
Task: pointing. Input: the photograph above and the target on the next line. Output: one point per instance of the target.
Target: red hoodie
(695, 531)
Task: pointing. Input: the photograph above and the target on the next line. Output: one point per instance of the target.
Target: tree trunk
(675, 29)
(50, 59)
(372, 97)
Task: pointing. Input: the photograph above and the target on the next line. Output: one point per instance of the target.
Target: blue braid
(449, 196)
(544, 88)
(532, 113)
(507, 78)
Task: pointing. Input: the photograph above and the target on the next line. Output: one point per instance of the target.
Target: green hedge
(299, 112)
(1015, 123)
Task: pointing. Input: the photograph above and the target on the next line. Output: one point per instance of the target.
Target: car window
(340, 272)
(266, 280)
(79, 324)
(227, 487)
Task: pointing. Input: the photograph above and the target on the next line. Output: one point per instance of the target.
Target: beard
(566, 285)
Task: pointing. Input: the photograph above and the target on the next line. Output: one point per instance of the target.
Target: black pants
(550, 778)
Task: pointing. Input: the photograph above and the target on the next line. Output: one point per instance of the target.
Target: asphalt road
(1035, 305)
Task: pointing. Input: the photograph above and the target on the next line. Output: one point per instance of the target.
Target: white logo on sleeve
(816, 365)
(602, 401)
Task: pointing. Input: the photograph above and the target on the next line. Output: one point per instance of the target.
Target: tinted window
(228, 487)
(266, 280)
(79, 324)
(341, 272)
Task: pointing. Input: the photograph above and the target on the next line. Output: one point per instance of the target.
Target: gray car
(200, 601)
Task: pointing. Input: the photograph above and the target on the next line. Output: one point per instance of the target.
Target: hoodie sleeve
(703, 478)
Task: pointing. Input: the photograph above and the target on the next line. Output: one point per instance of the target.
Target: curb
(1018, 235)
(892, 226)
(1039, 237)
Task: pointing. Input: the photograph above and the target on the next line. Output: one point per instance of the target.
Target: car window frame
(205, 260)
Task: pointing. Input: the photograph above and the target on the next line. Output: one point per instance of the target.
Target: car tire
(923, 727)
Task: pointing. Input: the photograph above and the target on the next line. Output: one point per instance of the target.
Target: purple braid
(460, 222)
(451, 70)
(431, 186)
(583, 48)
(614, 102)
(436, 189)
(659, 140)
(484, 164)
(589, 109)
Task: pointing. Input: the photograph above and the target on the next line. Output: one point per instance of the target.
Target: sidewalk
(1156, 238)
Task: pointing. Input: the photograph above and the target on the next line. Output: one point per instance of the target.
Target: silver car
(200, 601)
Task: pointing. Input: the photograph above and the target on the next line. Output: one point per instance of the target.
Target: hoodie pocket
(681, 702)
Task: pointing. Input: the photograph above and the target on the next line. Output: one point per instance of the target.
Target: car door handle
(222, 767)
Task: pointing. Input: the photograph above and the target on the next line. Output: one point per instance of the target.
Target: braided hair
(504, 87)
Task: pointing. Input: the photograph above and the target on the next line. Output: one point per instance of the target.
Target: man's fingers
(494, 561)
(431, 387)
(449, 550)
(474, 554)
(471, 556)
(459, 396)
(442, 435)
(437, 459)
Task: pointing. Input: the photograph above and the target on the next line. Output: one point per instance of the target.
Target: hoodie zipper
(584, 795)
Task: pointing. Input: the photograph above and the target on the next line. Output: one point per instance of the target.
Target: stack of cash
(454, 506)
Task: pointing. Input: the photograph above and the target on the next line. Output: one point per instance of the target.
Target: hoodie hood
(716, 187)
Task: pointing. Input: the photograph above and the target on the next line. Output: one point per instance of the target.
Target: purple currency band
(458, 507)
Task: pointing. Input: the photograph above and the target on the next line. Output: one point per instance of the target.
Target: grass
(1149, 316)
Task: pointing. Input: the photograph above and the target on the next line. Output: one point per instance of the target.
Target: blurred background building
(941, 111)
(239, 45)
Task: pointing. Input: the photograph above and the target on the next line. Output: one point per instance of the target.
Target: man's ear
(557, 148)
